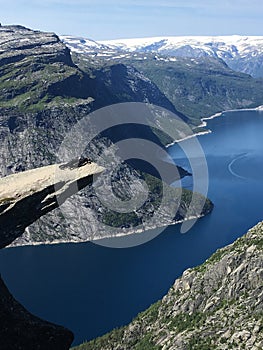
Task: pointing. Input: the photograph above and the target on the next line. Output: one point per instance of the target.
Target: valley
(66, 98)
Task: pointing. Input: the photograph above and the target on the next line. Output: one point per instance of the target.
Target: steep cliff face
(43, 94)
(126, 83)
(217, 305)
(18, 42)
(36, 68)
(24, 198)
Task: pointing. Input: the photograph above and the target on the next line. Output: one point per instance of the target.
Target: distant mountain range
(241, 53)
(197, 80)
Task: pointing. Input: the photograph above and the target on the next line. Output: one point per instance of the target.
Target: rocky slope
(36, 71)
(36, 68)
(217, 305)
(25, 197)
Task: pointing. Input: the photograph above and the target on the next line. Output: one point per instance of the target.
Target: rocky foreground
(217, 305)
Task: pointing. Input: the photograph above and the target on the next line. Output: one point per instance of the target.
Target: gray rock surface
(17, 42)
(29, 195)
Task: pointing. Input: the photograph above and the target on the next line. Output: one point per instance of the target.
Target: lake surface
(92, 289)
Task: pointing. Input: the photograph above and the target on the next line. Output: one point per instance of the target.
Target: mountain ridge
(241, 53)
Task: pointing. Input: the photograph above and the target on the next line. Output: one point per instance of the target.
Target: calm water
(92, 289)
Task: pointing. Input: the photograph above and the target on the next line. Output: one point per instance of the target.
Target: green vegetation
(214, 313)
(116, 336)
(197, 87)
(115, 219)
(198, 343)
(151, 313)
(155, 197)
(184, 321)
(146, 343)
(33, 83)
(202, 87)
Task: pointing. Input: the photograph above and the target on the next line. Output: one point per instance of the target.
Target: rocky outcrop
(36, 66)
(217, 305)
(24, 198)
(92, 215)
(18, 42)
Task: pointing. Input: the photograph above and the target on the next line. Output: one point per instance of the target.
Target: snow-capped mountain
(80, 45)
(211, 45)
(241, 53)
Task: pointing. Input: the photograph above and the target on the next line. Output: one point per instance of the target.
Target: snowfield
(241, 53)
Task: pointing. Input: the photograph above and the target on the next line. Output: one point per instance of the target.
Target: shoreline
(133, 232)
(118, 235)
(200, 133)
(204, 123)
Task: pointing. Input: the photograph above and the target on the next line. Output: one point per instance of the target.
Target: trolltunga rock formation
(25, 197)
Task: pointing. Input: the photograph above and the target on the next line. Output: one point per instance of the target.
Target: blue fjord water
(92, 289)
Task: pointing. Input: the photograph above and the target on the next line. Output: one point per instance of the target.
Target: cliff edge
(25, 197)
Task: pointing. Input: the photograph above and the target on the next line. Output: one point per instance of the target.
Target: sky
(111, 19)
